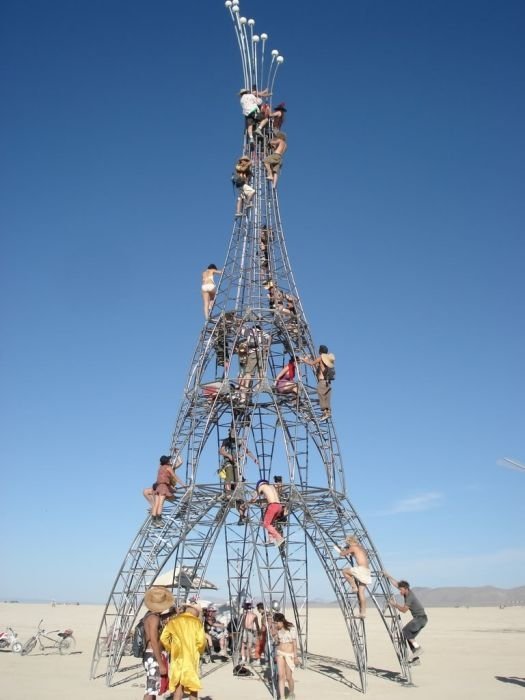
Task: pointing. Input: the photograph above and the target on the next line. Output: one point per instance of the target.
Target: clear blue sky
(403, 205)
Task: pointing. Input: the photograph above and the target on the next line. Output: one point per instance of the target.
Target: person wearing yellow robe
(183, 637)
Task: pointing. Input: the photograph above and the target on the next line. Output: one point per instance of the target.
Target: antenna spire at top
(253, 48)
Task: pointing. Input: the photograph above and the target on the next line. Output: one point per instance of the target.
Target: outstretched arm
(391, 579)
(252, 456)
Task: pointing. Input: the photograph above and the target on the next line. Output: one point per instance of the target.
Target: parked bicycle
(9, 640)
(61, 640)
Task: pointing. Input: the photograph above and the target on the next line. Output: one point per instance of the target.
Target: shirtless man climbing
(273, 511)
(273, 162)
(358, 576)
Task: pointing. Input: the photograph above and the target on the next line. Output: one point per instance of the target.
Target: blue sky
(403, 206)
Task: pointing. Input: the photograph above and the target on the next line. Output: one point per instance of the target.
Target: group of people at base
(175, 641)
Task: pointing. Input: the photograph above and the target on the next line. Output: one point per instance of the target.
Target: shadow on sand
(511, 679)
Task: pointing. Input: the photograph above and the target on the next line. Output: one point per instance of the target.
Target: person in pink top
(284, 381)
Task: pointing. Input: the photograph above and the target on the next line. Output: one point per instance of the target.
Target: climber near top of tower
(241, 179)
(273, 162)
(250, 105)
(276, 118)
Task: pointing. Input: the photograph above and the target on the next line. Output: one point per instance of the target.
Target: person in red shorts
(273, 512)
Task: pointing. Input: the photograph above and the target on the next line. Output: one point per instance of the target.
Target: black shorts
(252, 119)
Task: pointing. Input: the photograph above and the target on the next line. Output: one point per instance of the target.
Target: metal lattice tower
(256, 288)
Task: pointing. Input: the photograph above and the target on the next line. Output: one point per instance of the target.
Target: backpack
(329, 374)
(138, 645)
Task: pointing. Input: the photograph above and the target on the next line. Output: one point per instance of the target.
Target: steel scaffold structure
(256, 291)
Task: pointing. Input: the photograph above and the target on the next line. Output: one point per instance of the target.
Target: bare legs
(179, 692)
(157, 506)
(285, 677)
(358, 588)
(208, 298)
(149, 495)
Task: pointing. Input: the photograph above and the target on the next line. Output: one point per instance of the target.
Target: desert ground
(468, 652)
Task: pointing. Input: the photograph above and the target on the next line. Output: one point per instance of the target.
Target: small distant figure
(208, 287)
(273, 162)
(358, 576)
(285, 380)
(250, 105)
(276, 117)
(419, 616)
(285, 637)
(324, 368)
(157, 599)
(166, 483)
(252, 348)
(242, 509)
(231, 450)
(183, 637)
(216, 634)
(250, 632)
(273, 512)
(242, 179)
(260, 646)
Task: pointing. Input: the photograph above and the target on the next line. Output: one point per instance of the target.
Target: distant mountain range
(462, 596)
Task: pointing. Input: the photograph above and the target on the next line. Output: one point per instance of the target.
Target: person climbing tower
(250, 105)
(273, 162)
(274, 509)
(358, 574)
(166, 483)
(208, 287)
(241, 180)
(324, 368)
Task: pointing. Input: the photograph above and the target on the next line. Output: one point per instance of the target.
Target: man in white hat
(157, 599)
(250, 103)
(185, 640)
(323, 366)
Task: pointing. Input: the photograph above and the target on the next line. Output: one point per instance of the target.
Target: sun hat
(195, 606)
(158, 599)
(243, 91)
(328, 358)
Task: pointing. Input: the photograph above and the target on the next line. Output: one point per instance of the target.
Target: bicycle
(63, 641)
(8, 640)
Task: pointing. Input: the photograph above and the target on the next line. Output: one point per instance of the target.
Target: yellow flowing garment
(183, 637)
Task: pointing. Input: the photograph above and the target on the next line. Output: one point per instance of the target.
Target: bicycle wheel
(67, 645)
(16, 647)
(28, 646)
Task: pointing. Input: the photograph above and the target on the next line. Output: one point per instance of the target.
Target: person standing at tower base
(419, 616)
